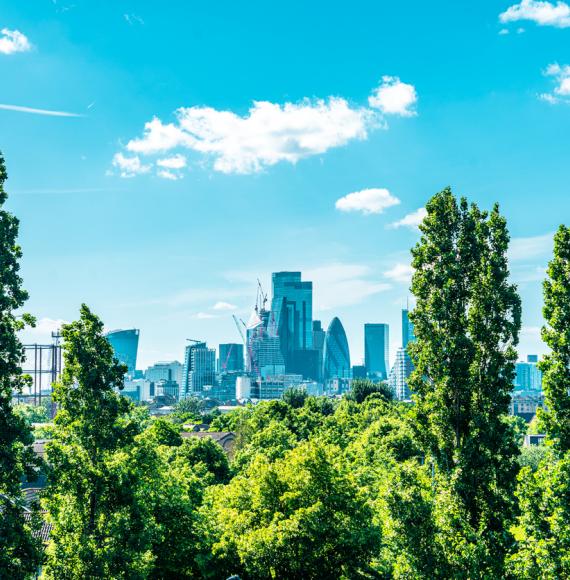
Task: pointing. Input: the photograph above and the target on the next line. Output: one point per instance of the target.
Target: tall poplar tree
(544, 496)
(19, 551)
(100, 509)
(466, 321)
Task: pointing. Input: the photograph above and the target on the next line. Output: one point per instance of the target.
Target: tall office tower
(125, 343)
(199, 369)
(337, 355)
(528, 377)
(407, 329)
(319, 345)
(165, 371)
(376, 350)
(264, 356)
(398, 379)
(230, 357)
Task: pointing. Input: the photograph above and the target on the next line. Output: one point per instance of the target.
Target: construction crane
(236, 320)
(261, 294)
(194, 340)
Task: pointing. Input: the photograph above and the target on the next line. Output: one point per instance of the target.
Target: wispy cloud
(367, 201)
(130, 166)
(13, 41)
(204, 316)
(33, 111)
(561, 92)
(531, 247)
(411, 220)
(272, 133)
(224, 306)
(541, 13)
(133, 19)
(401, 273)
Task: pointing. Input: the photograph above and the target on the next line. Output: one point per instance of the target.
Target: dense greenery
(358, 487)
(19, 552)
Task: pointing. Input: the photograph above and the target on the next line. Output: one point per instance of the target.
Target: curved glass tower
(125, 343)
(337, 355)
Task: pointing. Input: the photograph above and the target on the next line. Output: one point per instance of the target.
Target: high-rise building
(376, 350)
(230, 357)
(199, 369)
(125, 343)
(292, 310)
(398, 379)
(319, 336)
(337, 354)
(165, 371)
(264, 354)
(407, 329)
(528, 377)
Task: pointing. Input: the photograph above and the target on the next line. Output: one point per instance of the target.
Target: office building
(319, 336)
(358, 372)
(376, 350)
(230, 357)
(265, 356)
(398, 379)
(125, 343)
(528, 377)
(199, 369)
(292, 311)
(336, 354)
(165, 371)
(407, 328)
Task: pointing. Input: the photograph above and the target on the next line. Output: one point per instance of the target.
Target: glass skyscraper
(376, 350)
(407, 328)
(125, 343)
(292, 313)
(337, 355)
(230, 357)
(199, 369)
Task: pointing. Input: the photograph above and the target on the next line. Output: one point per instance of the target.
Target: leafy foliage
(19, 552)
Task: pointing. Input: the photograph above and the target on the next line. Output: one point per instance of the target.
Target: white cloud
(411, 220)
(49, 113)
(129, 166)
(393, 97)
(165, 174)
(224, 306)
(561, 92)
(270, 133)
(12, 41)
(503, 31)
(341, 284)
(401, 273)
(531, 247)
(41, 333)
(204, 316)
(542, 13)
(174, 162)
(367, 201)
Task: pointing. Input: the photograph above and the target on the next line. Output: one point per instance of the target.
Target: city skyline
(170, 235)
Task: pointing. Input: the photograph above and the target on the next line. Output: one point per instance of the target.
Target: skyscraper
(337, 355)
(165, 371)
(292, 311)
(199, 369)
(376, 350)
(125, 343)
(398, 379)
(528, 377)
(407, 329)
(319, 336)
(230, 357)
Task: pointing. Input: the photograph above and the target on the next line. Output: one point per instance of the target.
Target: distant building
(165, 371)
(199, 369)
(274, 387)
(265, 356)
(125, 343)
(358, 371)
(230, 357)
(292, 312)
(398, 379)
(336, 355)
(138, 390)
(319, 336)
(376, 350)
(528, 377)
(525, 405)
(407, 328)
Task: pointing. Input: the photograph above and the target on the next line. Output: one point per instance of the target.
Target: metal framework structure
(43, 364)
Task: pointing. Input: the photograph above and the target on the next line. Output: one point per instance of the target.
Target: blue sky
(259, 118)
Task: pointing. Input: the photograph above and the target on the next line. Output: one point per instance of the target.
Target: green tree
(556, 334)
(101, 514)
(466, 321)
(360, 389)
(295, 396)
(206, 458)
(20, 553)
(544, 491)
(300, 517)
